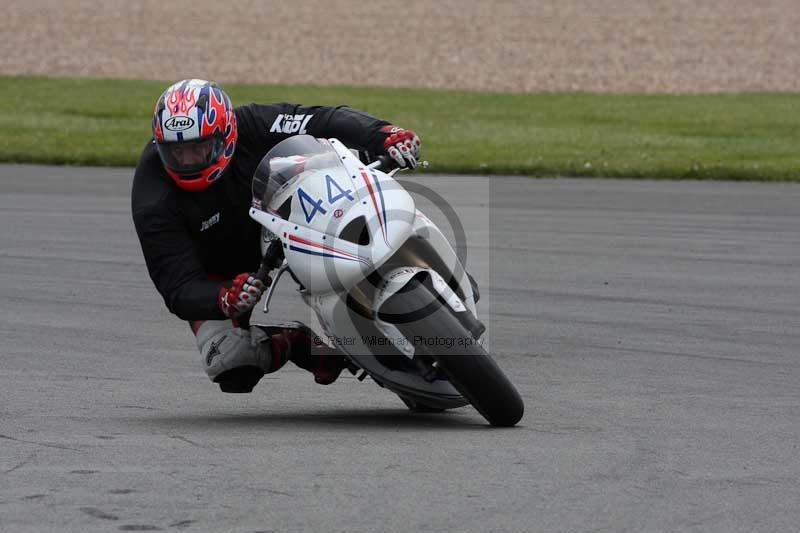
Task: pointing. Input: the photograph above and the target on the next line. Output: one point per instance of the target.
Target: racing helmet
(194, 128)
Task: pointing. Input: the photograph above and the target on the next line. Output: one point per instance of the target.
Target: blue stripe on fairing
(309, 252)
(383, 207)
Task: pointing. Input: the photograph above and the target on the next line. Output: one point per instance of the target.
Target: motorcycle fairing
(323, 202)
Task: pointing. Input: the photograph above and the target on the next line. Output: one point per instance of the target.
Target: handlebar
(383, 162)
(272, 259)
(387, 163)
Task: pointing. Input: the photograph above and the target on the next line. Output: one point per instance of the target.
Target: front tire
(418, 312)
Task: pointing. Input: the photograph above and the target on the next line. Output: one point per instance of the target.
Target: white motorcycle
(385, 283)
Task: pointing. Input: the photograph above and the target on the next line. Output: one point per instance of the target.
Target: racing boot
(307, 351)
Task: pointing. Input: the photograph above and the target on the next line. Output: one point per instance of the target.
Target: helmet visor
(190, 157)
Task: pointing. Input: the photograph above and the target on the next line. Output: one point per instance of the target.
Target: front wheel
(430, 324)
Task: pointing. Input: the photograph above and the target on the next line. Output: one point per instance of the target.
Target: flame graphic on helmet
(218, 108)
(181, 100)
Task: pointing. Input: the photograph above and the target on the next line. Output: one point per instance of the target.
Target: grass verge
(751, 136)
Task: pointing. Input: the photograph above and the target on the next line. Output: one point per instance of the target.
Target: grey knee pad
(224, 347)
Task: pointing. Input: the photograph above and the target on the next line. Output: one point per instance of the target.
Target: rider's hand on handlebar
(242, 296)
(402, 145)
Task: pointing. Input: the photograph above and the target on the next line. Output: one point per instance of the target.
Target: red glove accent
(242, 296)
(402, 145)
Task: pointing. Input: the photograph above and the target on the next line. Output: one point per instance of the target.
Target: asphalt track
(652, 328)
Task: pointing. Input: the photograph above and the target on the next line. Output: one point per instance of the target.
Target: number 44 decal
(311, 206)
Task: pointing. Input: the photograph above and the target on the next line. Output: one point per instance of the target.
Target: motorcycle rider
(190, 200)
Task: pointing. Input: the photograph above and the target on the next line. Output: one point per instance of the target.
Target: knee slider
(231, 356)
(239, 380)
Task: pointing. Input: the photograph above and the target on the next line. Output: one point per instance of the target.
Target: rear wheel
(432, 327)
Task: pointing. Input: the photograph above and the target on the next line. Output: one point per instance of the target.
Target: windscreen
(286, 161)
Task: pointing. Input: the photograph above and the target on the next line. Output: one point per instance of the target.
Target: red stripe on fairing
(324, 247)
(374, 202)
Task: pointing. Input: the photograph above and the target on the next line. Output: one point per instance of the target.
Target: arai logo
(179, 123)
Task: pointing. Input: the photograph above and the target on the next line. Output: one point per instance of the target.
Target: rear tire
(419, 314)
